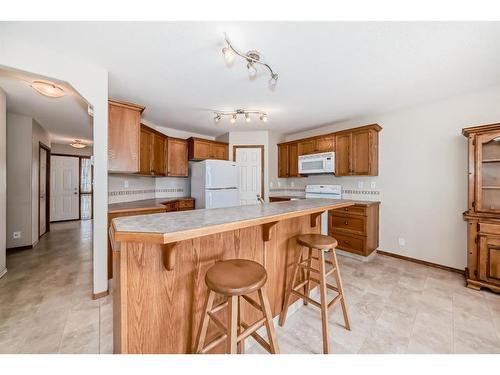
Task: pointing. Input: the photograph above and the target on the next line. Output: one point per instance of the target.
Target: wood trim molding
(235, 147)
(375, 127)
(128, 105)
(479, 129)
(423, 262)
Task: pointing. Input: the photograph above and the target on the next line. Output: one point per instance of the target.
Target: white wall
(92, 83)
(422, 174)
(3, 182)
(60, 148)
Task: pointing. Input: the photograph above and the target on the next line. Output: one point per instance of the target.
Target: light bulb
(252, 71)
(273, 81)
(233, 119)
(263, 118)
(247, 117)
(228, 55)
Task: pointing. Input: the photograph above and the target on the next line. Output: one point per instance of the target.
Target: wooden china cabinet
(483, 212)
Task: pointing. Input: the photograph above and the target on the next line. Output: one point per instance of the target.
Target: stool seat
(317, 241)
(236, 277)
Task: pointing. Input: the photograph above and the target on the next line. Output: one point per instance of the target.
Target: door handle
(75, 193)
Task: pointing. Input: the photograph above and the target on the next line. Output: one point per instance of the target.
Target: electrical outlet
(16, 235)
(125, 183)
(373, 185)
(401, 241)
(292, 184)
(360, 184)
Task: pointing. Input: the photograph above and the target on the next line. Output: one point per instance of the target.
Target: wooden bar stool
(323, 244)
(235, 279)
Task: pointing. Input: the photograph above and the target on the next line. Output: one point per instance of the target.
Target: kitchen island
(160, 262)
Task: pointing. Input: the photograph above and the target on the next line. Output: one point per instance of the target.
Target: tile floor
(395, 306)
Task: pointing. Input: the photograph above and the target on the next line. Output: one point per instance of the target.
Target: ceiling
(328, 71)
(65, 118)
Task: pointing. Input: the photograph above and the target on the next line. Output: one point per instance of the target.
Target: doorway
(43, 190)
(251, 161)
(65, 188)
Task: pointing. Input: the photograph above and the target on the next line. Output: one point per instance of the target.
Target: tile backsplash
(126, 188)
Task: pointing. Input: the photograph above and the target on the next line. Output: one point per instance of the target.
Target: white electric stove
(324, 191)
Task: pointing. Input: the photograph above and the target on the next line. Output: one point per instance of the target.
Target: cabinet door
(324, 144)
(177, 157)
(360, 152)
(159, 155)
(123, 139)
(488, 173)
(219, 151)
(293, 160)
(283, 161)
(489, 258)
(202, 149)
(307, 147)
(342, 154)
(146, 166)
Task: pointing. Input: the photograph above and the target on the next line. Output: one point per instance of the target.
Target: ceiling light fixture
(252, 57)
(78, 144)
(48, 89)
(240, 112)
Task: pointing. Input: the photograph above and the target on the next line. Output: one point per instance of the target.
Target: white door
(250, 163)
(43, 193)
(64, 188)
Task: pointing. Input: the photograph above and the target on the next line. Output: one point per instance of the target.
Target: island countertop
(178, 226)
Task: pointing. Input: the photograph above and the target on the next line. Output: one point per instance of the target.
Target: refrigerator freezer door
(222, 198)
(221, 174)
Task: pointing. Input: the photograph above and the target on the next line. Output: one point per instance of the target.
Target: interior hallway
(46, 301)
(395, 306)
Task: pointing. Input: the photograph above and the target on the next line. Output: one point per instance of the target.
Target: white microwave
(317, 163)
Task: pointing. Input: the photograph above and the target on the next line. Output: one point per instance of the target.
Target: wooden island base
(158, 311)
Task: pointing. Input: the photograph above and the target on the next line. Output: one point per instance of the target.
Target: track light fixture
(241, 112)
(252, 57)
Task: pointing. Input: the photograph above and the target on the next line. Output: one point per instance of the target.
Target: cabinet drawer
(172, 206)
(187, 204)
(349, 223)
(350, 243)
(489, 228)
(359, 210)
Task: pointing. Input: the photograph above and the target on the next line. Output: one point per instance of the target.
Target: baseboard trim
(423, 262)
(100, 295)
(27, 247)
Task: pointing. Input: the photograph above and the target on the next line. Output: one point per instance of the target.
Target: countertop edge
(163, 238)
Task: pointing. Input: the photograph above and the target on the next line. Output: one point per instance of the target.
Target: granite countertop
(288, 196)
(176, 226)
(142, 205)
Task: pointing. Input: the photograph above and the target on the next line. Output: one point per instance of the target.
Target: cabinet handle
(346, 209)
(345, 223)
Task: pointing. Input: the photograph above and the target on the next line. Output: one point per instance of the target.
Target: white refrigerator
(215, 183)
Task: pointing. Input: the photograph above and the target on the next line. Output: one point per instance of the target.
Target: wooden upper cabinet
(146, 151)
(316, 145)
(177, 157)
(201, 149)
(124, 121)
(342, 155)
(283, 163)
(293, 160)
(159, 155)
(356, 151)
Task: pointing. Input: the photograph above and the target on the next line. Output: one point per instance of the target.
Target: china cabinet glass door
(488, 173)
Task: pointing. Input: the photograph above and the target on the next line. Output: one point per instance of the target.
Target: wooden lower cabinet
(356, 228)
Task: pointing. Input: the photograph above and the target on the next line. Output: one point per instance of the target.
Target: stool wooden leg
(289, 288)
(271, 333)
(338, 279)
(205, 319)
(324, 301)
(307, 287)
(232, 325)
(241, 344)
